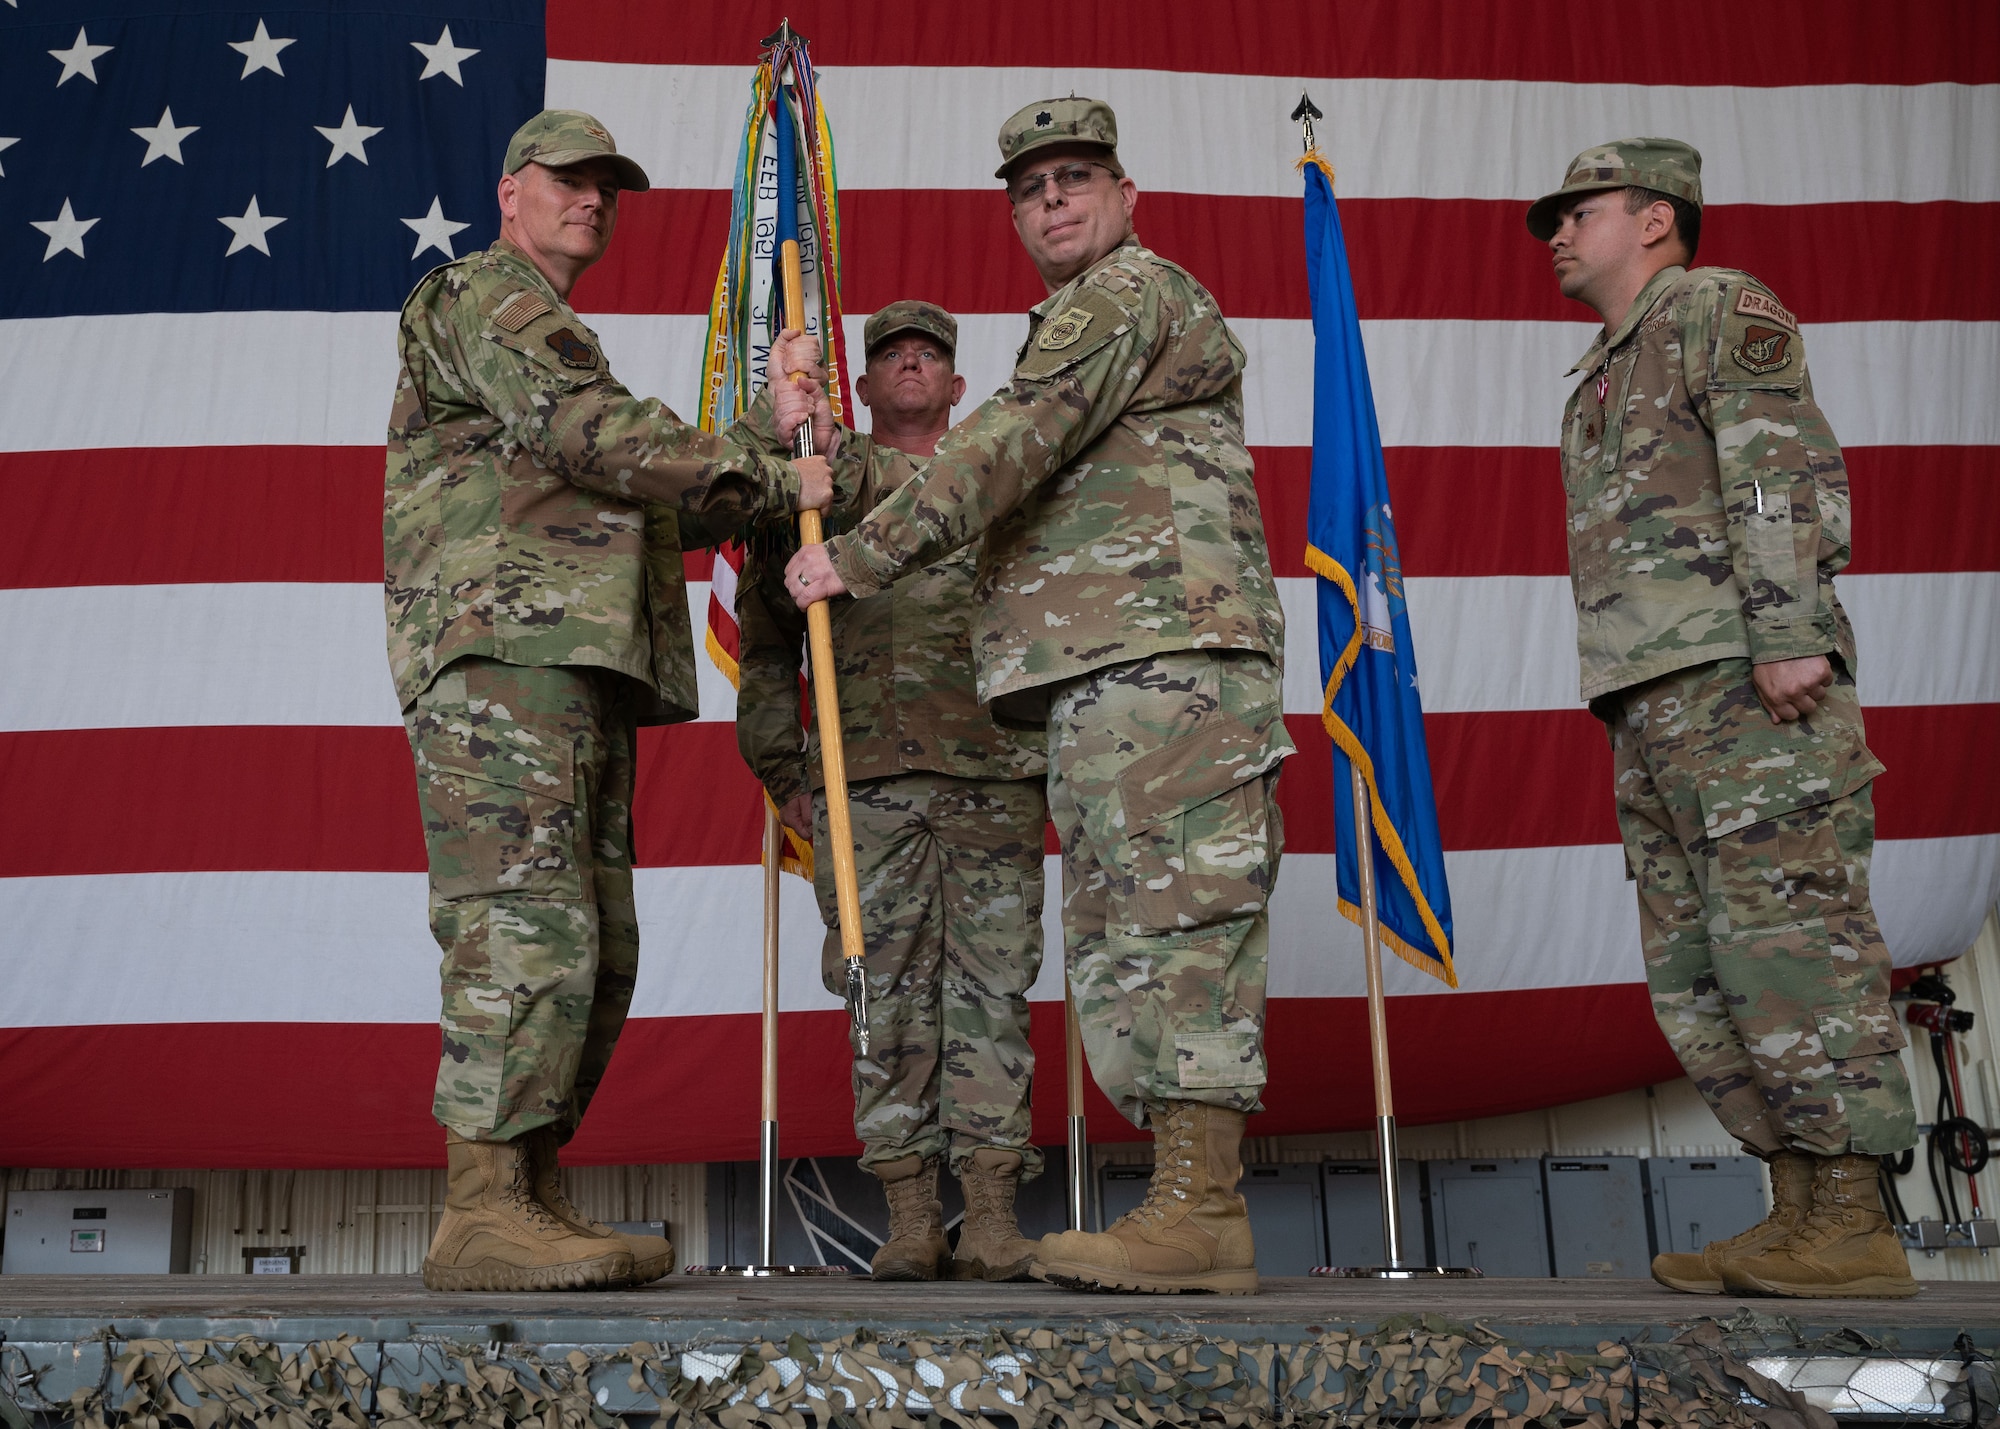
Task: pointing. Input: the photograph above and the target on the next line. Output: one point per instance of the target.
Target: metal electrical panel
(1354, 1213)
(1488, 1214)
(1286, 1216)
(1696, 1200)
(98, 1232)
(1597, 1217)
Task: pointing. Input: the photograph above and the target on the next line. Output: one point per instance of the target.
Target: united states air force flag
(1373, 710)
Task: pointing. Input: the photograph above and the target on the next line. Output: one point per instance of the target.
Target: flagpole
(793, 295)
(1079, 1143)
(1398, 1265)
(1378, 1031)
(767, 1141)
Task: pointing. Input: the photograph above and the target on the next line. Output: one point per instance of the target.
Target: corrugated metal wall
(378, 1222)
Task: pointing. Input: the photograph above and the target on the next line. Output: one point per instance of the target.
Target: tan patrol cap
(1059, 121)
(910, 315)
(556, 137)
(1668, 165)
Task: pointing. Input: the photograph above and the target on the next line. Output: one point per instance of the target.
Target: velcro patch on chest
(1082, 327)
(573, 350)
(1066, 330)
(520, 310)
(1751, 303)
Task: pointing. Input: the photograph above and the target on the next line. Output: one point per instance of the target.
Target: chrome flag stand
(1399, 1267)
(767, 1138)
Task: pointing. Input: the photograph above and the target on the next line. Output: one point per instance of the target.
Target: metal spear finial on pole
(1304, 115)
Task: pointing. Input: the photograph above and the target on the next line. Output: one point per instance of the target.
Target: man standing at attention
(536, 616)
(948, 809)
(1127, 609)
(1708, 515)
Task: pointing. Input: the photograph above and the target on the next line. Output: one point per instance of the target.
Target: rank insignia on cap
(1043, 119)
(573, 350)
(1063, 331)
(1763, 349)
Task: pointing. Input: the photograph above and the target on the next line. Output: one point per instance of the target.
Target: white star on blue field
(250, 159)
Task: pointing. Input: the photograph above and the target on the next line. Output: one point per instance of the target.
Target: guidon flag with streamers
(785, 190)
(1373, 712)
(212, 896)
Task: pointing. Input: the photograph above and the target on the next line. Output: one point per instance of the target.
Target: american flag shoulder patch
(520, 310)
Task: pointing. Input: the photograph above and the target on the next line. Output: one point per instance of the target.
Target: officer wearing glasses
(1127, 611)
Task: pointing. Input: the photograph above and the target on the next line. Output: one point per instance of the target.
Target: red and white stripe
(214, 902)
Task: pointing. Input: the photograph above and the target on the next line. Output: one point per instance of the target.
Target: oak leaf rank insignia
(1064, 331)
(573, 350)
(1763, 349)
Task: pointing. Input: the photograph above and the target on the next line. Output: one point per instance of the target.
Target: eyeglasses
(1070, 178)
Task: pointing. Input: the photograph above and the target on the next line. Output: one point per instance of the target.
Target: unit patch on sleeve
(1754, 304)
(1063, 331)
(520, 310)
(573, 350)
(1763, 349)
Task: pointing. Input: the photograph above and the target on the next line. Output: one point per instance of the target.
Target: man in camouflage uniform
(948, 808)
(537, 615)
(1127, 608)
(1708, 515)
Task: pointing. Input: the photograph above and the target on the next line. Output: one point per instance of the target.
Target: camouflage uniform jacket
(903, 658)
(1707, 497)
(532, 506)
(1112, 482)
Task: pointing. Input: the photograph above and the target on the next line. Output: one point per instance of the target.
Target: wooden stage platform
(1301, 1349)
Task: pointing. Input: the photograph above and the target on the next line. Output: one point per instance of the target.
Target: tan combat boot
(1699, 1272)
(990, 1243)
(652, 1255)
(916, 1248)
(496, 1236)
(1192, 1232)
(1846, 1245)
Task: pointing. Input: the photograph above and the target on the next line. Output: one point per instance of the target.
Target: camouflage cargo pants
(951, 898)
(1750, 842)
(1162, 774)
(524, 776)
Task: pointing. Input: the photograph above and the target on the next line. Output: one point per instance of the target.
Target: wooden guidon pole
(826, 704)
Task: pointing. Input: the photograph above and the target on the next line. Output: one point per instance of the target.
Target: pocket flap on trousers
(1860, 1030)
(509, 756)
(1223, 754)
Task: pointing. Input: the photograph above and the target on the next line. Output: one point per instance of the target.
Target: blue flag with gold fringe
(1373, 709)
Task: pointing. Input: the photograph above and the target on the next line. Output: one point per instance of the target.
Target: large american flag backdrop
(213, 948)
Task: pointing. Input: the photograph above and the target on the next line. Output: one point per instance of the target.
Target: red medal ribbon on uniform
(1603, 385)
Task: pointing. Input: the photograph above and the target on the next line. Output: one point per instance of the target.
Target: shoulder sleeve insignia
(1752, 303)
(573, 350)
(1064, 331)
(520, 310)
(1763, 349)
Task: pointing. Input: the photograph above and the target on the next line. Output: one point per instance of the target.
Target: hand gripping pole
(826, 704)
